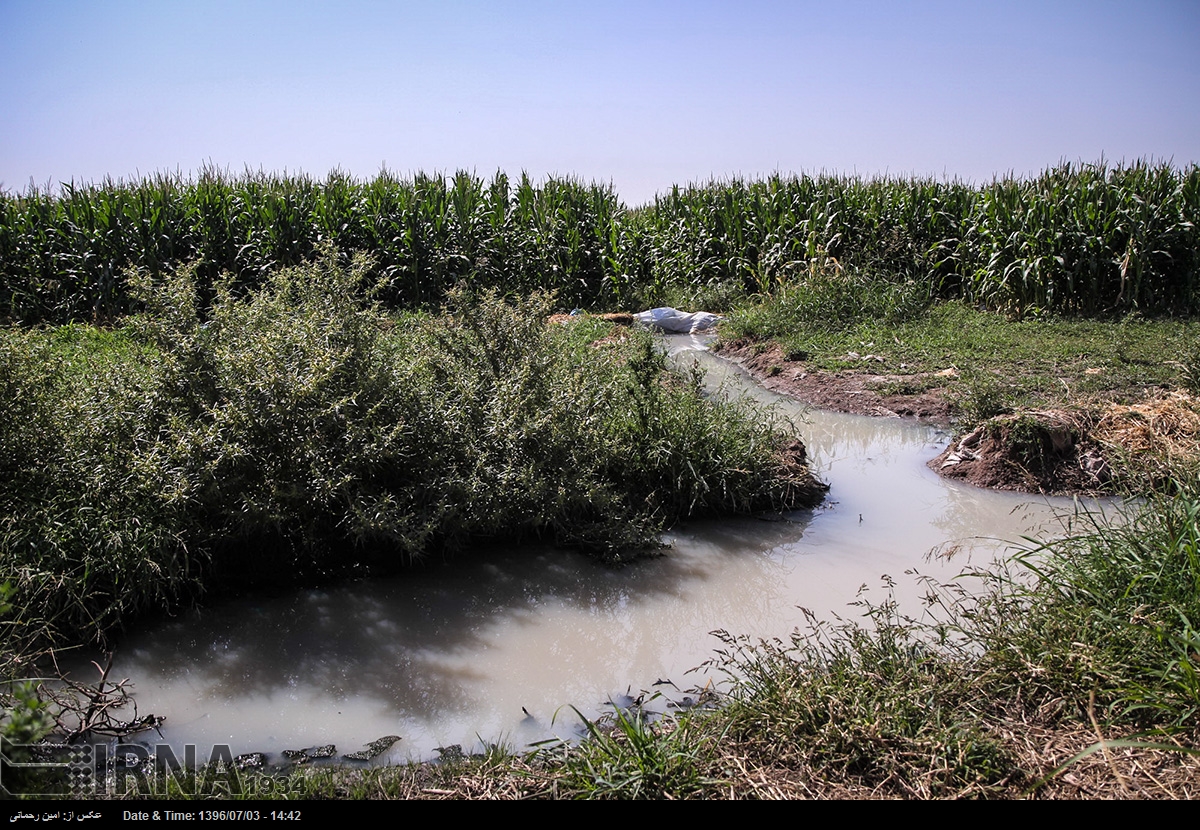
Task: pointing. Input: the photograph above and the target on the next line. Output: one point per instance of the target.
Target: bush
(297, 433)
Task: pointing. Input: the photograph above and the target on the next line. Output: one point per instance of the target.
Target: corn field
(1084, 239)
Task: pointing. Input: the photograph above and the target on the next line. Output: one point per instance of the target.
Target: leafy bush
(295, 432)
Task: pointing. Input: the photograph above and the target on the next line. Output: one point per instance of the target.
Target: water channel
(458, 653)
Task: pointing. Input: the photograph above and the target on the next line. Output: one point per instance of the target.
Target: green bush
(295, 432)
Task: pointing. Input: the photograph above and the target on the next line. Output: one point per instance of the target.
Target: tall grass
(1115, 611)
(633, 755)
(865, 705)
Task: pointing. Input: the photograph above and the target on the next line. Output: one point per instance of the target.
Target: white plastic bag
(676, 321)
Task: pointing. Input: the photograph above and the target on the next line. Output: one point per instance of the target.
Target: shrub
(295, 433)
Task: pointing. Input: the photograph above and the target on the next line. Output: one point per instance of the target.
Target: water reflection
(452, 653)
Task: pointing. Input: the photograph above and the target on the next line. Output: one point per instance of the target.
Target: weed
(1189, 367)
(795, 353)
(981, 396)
(1127, 593)
(908, 385)
(867, 705)
(632, 756)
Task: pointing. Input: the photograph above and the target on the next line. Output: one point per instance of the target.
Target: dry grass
(1045, 767)
(617, 319)
(1159, 435)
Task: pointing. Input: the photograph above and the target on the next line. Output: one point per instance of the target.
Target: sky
(642, 95)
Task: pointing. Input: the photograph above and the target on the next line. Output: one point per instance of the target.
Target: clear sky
(642, 94)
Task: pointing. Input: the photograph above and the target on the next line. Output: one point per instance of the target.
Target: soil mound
(1049, 452)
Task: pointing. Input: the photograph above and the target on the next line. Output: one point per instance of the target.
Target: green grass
(632, 755)
(1039, 362)
(1116, 611)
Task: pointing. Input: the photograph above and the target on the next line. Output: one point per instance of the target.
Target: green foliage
(1086, 238)
(980, 396)
(828, 302)
(79, 515)
(1189, 367)
(869, 704)
(295, 432)
(1115, 610)
(1078, 238)
(66, 256)
(629, 755)
(25, 718)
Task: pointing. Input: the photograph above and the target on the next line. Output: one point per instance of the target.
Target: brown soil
(1076, 451)
(619, 318)
(1051, 452)
(856, 392)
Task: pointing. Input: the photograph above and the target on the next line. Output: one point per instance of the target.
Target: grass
(1130, 588)
(1073, 674)
(1031, 363)
(907, 385)
(633, 755)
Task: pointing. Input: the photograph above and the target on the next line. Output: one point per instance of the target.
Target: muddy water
(456, 653)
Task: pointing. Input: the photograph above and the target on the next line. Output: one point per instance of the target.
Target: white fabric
(674, 320)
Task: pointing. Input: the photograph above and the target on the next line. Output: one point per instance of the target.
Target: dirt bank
(1083, 449)
(857, 392)
(1048, 452)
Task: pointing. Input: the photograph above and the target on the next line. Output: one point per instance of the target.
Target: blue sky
(642, 94)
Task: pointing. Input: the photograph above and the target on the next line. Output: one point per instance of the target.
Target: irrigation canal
(452, 654)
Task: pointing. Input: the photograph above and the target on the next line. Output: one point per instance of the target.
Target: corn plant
(1078, 238)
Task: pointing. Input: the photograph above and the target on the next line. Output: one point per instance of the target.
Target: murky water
(458, 653)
